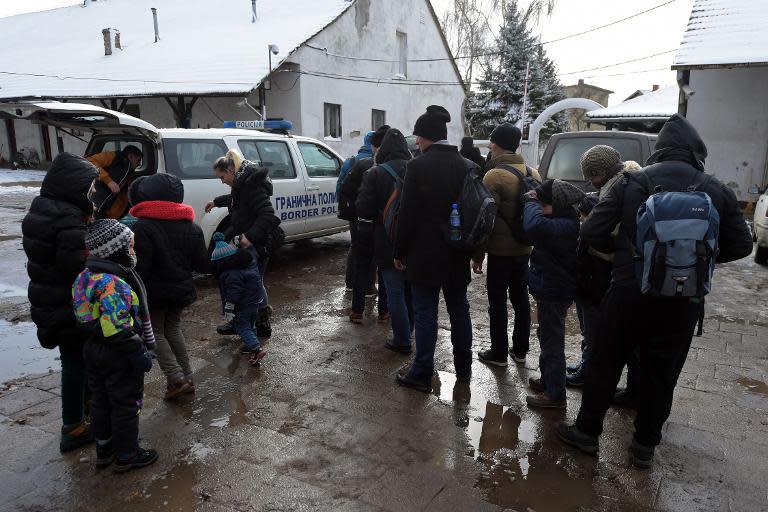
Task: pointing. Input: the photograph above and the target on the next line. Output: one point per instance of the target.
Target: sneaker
(642, 456)
(191, 383)
(140, 459)
(406, 381)
(356, 318)
(518, 359)
(536, 385)
(256, 357)
(372, 292)
(105, 454)
(573, 367)
(543, 401)
(74, 437)
(401, 349)
(384, 317)
(226, 329)
(622, 398)
(488, 357)
(575, 380)
(571, 435)
(176, 389)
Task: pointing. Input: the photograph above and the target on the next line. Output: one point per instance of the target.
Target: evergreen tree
(502, 87)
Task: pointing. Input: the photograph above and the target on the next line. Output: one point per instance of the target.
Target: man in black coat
(375, 192)
(433, 182)
(660, 329)
(54, 242)
(471, 152)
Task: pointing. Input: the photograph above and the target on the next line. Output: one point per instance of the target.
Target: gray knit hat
(600, 161)
(564, 197)
(108, 237)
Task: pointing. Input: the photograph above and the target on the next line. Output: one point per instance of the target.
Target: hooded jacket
(169, 245)
(54, 241)
(364, 152)
(376, 190)
(679, 157)
(250, 209)
(348, 185)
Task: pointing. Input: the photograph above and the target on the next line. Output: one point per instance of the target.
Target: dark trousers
(73, 384)
(117, 389)
(661, 332)
(366, 273)
(551, 333)
(425, 301)
(589, 322)
(508, 278)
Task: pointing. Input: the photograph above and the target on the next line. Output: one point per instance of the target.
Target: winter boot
(263, 325)
(139, 459)
(105, 453)
(75, 436)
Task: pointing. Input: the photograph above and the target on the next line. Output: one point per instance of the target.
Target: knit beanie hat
(378, 135)
(506, 136)
(467, 143)
(600, 161)
(564, 197)
(544, 191)
(222, 249)
(108, 238)
(587, 203)
(431, 124)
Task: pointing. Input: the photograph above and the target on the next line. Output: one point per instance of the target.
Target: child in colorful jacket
(109, 302)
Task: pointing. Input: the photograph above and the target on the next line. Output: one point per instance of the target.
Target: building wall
(576, 118)
(730, 111)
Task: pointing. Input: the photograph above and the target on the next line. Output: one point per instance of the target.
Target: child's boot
(139, 459)
(105, 453)
(263, 325)
(75, 436)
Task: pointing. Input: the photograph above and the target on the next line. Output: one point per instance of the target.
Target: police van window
(273, 155)
(191, 159)
(319, 161)
(565, 163)
(147, 163)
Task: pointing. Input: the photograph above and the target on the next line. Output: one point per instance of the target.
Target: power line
(617, 63)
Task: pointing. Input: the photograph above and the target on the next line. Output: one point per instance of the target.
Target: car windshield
(565, 163)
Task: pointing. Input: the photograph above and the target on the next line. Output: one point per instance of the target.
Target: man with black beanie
(433, 181)
(472, 153)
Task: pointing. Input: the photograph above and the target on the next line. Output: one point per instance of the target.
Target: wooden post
(10, 129)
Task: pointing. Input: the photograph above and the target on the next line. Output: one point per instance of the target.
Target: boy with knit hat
(240, 285)
(552, 223)
(110, 302)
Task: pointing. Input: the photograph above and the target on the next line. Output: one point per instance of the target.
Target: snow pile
(722, 32)
(205, 47)
(658, 105)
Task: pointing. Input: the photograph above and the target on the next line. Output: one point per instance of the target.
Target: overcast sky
(655, 32)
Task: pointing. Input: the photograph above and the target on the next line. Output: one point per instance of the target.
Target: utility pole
(525, 96)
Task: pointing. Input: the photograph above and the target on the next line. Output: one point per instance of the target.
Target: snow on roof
(656, 105)
(205, 47)
(725, 32)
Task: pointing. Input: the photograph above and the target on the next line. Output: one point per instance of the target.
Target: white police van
(303, 170)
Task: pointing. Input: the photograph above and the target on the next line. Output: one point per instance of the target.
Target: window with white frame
(402, 54)
(332, 120)
(378, 118)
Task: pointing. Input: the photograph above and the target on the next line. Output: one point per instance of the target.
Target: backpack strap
(514, 170)
(391, 171)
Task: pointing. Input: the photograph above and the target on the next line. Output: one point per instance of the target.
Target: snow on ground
(20, 175)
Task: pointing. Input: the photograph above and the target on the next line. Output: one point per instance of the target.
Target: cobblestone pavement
(322, 426)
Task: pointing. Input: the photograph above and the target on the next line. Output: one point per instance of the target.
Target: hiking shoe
(642, 456)
(140, 459)
(400, 349)
(488, 357)
(256, 357)
(536, 385)
(516, 358)
(575, 380)
(543, 401)
(191, 383)
(177, 388)
(226, 329)
(571, 435)
(622, 398)
(356, 318)
(74, 437)
(384, 317)
(573, 367)
(105, 454)
(406, 381)
(372, 292)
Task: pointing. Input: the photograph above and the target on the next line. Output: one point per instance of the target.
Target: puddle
(171, 491)
(21, 353)
(219, 403)
(754, 386)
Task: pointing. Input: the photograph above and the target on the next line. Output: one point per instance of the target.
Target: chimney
(254, 16)
(107, 42)
(581, 81)
(117, 40)
(157, 30)
(655, 87)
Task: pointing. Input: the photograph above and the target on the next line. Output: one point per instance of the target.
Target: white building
(643, 111)
(339, 67)
(722, 69)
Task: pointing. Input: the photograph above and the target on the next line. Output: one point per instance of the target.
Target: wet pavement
(321, 425)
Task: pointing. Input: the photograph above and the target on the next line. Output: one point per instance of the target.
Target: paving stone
(739, 328)
(401, 491)
(21, 399)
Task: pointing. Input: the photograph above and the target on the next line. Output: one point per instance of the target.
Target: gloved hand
(530, 196)
(141, 360)
(229, 311)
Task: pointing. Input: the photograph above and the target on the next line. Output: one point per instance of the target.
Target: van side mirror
(754, 189)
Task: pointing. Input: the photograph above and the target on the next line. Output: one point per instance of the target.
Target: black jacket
(432, 182)
(351, 188)
(473, 154)
(250, 210)
(54, 242)
(679, 157)
(376, 190)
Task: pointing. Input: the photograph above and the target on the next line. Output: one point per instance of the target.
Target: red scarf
(163, 210)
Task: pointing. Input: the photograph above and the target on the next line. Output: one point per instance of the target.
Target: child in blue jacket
(240, 286)
(552, 223)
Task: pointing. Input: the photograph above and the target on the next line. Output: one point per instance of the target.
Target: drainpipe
(157, 30)
(254, 16)
(683, 79)
(107, 42)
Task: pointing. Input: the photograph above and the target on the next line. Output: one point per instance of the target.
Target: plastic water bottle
(455, 221)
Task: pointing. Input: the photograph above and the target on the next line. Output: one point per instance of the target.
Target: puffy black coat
(376, 190)
(351, 188)
(433, 182)
(54, 242)
(679, 157)
(250, 209)
(169, 246)
(473, 154)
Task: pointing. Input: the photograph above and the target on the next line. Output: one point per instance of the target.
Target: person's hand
(530, 196)
(399, 264)
(114, 187)
(244, 242)
(229, 312)
(477, 266)
(209, 206)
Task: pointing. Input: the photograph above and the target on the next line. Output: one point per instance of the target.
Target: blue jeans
(508, 278)
(589, 321)
(425, 301)
(243, 324)
(400, 305)
(551, 332)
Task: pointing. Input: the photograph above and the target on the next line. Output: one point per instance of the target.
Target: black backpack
(478, 213)
(527, 183)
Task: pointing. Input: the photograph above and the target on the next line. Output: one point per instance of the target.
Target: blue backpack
(392, 208)
(676, 241)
